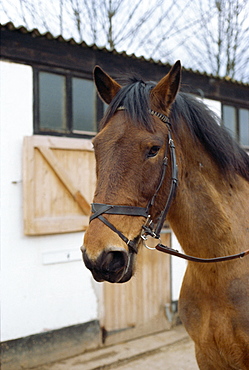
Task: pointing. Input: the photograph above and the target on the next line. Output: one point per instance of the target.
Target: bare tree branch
(209, 35)
(222, 38)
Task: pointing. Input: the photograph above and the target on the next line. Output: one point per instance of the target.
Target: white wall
(214, 105)
(35, 295)
(178, 268)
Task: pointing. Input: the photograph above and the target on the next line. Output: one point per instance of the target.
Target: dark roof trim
(47, 35)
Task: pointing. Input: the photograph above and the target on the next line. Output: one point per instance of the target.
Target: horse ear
(106, 86)
(164, 93)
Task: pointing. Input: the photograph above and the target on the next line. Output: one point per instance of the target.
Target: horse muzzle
(114, 266)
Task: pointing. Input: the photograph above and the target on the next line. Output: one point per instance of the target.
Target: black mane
(206, 127)
(202, 122)
(135, 98)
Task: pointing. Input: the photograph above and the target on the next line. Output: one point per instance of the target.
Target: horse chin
(125, 278)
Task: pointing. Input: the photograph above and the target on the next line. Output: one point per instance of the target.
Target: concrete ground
(167, 350)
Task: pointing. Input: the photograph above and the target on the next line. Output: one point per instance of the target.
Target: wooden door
(58, 184)
(137, 307)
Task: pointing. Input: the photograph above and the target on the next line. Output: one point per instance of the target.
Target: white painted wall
(178, 268)
(37, 292)
(214, 105)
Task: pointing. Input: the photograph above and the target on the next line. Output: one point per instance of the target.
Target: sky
(177, 35)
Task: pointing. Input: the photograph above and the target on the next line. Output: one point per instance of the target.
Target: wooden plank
(65, 178)
(54, 142)
(28, 185)
(53, 225)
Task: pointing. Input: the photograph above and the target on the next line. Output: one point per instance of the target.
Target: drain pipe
(171, 311)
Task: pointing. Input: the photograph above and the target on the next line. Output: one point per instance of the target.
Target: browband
(162, 116)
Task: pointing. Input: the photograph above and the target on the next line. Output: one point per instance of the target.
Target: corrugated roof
(36, 33)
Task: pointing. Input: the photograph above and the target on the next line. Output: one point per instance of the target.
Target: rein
(163, 248)
(98, 209)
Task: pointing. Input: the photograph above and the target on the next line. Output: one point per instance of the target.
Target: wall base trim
(39, 349)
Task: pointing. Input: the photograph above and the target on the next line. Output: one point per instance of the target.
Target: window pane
(52, 101)
(229, 119)
(244, 127)
(84, 106)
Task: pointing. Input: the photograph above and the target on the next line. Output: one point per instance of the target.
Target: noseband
(149, 228)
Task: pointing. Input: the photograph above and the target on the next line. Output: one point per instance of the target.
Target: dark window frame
(69, 75)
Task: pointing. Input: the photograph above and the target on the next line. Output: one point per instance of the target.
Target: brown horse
(147, 129)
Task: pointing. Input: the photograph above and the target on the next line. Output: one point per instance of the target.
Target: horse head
(133, 171)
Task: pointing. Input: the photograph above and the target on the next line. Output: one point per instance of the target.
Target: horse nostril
(114, 262)
(110, 266)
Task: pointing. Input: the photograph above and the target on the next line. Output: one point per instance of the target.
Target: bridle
(150, 228)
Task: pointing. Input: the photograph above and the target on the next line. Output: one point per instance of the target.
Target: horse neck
(209, 214)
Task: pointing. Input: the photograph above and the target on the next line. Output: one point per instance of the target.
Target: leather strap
(131, 244)
(174, 252)
(99, 208)
(173, 187)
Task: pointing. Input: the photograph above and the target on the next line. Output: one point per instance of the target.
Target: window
(52, 102)
(65, 104)
(236, 120)
(83, 99)
(244, 127)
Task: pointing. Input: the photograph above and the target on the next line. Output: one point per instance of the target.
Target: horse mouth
(129, 269)
(111, 266)
(110, 278)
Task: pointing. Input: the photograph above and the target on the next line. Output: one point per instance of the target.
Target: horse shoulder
(216, 316)
(238, 296)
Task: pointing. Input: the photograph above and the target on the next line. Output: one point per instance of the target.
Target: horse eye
(153, 151)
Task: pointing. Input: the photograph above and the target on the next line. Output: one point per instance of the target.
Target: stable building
(51, 308)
